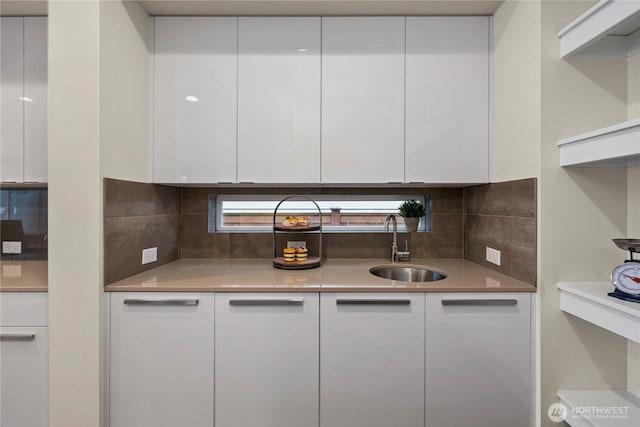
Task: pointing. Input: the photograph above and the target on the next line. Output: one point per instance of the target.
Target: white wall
(633, 87)
(633, 209)
(75, 214)
(124, 91)
(581, 209)
(633, 231)
(516, 94)
(98, 126)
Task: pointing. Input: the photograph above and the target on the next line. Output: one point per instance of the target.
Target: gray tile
(197, 242)
(196, 200)
(445, 241)
(512, 198)
(360, 245)
(127, 198)
(251, 245)
(522, 265)
(124, 239)
(446, 200)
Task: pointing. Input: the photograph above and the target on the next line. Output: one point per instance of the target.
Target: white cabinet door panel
(35, 106)
(363, 99)
(24, 376)
(161, 359)
(11, 90)
(371, 360)
(447, 105)
(478, 360)
(195, 58)
(267, 360)
(279, 100)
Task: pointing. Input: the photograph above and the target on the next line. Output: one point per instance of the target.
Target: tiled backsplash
(139, 216)
(23, 221)
(503, 216)
(464, 222)
(446, 240)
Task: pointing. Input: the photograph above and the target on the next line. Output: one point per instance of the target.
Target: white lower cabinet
(478, 360)
(317, 360)
(24, 360)
(161, 359)
(266, 364)
(372, 360)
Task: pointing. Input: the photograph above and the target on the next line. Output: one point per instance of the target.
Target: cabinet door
(267, 350)
(478, 360)
(195, 63)
(24, 376)
(363, 99)
(35, 105)
(279, 100)
(372, 360)
(447, 117)
(161, 364)
(11, 92)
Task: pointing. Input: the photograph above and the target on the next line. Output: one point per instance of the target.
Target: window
(254, 213)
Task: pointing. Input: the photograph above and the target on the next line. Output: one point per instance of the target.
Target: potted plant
(411, 210)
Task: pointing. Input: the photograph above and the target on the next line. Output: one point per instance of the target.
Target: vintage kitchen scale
(626, 276)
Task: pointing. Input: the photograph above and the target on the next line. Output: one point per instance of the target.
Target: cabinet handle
(17, 337)
(479, 302)
(246, 182)
(181, 302)
(225, 182)
(265, 302)
(394, 182)
(373, 302)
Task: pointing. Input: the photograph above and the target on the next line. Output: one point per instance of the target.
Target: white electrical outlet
(149, 255)
(493, 256)
(11, 247)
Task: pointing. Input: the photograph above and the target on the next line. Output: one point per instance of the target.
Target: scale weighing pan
(631, 245)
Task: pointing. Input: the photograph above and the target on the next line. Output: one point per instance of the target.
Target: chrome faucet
(394, 243)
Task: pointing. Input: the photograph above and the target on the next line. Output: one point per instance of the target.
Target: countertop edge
(339, 275)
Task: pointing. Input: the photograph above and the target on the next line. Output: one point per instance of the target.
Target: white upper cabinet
(279, 100)
(23, 93)
(195, 99)
(447, 104)
(363, 99)
(35, 96)
(11, 72)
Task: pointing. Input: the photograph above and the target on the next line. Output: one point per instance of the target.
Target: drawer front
(24, 309)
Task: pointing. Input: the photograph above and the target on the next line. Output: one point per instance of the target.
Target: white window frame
(215, 219)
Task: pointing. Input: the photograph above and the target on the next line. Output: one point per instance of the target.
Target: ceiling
(285, 7)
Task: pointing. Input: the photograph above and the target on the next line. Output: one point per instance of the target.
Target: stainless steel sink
(407, 273)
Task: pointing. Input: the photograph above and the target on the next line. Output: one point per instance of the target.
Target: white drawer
(24, 309)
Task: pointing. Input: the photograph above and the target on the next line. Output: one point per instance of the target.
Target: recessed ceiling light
(25, 99)
(191, 98)
(302, 50)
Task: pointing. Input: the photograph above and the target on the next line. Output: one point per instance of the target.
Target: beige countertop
(23, 276)
(335, 275)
